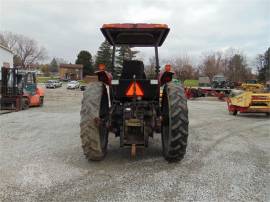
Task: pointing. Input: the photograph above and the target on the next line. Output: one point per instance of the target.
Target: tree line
(104, 56)
(231, 63)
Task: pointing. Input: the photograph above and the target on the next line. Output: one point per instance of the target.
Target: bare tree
(182, 67)
(8, 39)
(212, 64)
(26, 49)
(231, 63)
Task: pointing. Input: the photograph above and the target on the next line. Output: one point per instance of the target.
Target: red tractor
(130, 106)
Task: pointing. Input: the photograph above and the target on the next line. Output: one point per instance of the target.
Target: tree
(45, 69)
(183, 68)
(104, 56)
(26, 49)
(17, 61)
(263, 66)
(124, 52)
(8, 39)
(85, 58)
(236, 69)
(212, 64)
(231, 63)
(53, 67)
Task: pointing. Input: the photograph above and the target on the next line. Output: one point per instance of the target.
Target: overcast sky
(64, 27)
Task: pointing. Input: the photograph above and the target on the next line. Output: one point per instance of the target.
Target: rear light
(134, 89)
(168, 68)
(101, 67)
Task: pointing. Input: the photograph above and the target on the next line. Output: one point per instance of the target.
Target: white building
(6, 58)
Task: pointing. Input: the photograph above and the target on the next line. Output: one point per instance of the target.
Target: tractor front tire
(94, 121)
(174, 122)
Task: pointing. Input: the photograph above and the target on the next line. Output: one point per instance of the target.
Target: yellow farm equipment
(251, 99)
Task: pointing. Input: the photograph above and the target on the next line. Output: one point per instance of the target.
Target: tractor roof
(145, 35)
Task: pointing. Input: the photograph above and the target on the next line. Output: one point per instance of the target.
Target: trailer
(253, 98)
(195, 92)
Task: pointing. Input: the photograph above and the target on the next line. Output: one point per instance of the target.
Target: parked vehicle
(53, 84)
(204, 81)
(83, 88)
(219, 81)
(73, 85)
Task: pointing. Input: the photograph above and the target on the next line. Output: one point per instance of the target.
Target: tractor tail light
(101, 67)
(168, 68)
(134, 89)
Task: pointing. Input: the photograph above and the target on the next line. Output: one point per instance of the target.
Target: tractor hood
(135, 35)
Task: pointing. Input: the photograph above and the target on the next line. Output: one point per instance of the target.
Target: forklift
(19, 89)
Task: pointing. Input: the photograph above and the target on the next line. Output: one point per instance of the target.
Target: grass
(82, 81)
(45, 79)
(191, 83)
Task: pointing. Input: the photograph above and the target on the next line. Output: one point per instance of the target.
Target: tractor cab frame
(135, 35)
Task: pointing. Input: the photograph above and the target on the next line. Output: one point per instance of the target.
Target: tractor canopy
(135, 35)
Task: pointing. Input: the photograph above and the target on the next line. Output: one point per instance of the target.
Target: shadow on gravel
(254, 115)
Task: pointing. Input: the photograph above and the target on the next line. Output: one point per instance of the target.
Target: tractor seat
(133, 67)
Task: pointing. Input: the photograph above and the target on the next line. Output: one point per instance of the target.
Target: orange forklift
(19, 89)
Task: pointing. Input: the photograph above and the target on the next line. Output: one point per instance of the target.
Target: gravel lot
(41, 158)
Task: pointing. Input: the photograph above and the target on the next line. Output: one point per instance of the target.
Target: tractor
(130, 106)
(19, 89)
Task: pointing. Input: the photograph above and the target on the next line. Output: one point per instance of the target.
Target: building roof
(5, 48)
(71, 66)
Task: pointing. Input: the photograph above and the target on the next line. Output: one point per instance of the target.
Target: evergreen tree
(53, 67)
(124, 52)
(85, 58)
(264, 71)
(104, 56)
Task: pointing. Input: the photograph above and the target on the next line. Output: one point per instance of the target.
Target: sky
(64, 27)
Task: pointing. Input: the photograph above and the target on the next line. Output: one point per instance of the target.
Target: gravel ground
(41, 158)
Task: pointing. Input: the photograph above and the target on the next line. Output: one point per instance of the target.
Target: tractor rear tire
(94, 121)
(174, 122)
